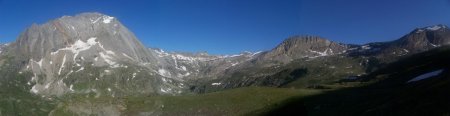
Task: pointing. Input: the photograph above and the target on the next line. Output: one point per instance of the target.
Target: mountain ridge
(65, 46)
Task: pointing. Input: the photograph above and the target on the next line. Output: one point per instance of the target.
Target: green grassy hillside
(232, 102)
(385, 92)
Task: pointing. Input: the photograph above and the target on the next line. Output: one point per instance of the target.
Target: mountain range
(94, 56)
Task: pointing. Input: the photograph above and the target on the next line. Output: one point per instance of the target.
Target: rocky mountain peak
(305, 46)
(425, 38)
(439, 27)
(76, 31)
(61, 47)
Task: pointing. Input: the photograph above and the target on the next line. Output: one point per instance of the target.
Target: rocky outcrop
(304, 47)
(2, 47)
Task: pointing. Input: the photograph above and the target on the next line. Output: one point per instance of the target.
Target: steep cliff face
(70, 53)
(304, 47)
(80, 33)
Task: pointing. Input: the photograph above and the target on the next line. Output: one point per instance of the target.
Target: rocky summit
(91, 61)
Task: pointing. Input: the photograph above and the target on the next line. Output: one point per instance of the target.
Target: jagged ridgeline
(95, 53)
(92, 56)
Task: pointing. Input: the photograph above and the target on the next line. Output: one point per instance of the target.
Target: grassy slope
(15, 97)
(231, 102)
(385, 92)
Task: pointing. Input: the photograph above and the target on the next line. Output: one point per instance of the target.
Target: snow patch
(216, 84)
(405, 50)
(108, 60)
(181, 57)
(78, 47)
(71, 87)
(324, 53)
(230, 56)
(366, 47)
(82, 68)
(62, 65)
(95, 21)
(107, 19)
(34, 90)
(434, 28)
(426, 75)
(127, 56)
(38, 63)
(434, 45)
(164, 80)
(256, 53)
(166, 90)
(419, 31)
(47, 86)
(110, 52)
(183, 68)
(164, 73)
(161, 53)
(134, 75)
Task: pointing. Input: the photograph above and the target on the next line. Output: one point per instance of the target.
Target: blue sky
(232, 26)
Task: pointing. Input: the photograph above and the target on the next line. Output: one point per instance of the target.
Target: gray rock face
(80, 32)
(419, 40)
(424, 38)
(2, 47)
(304, 47)
(63, 48)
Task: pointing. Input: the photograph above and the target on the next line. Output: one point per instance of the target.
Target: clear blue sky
(231, 26)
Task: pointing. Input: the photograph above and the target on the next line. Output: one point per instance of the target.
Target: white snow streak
(71, 88)
(82, 68)
(62, 65)
(426, 75)
(434, 28)
(127, 56)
